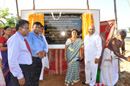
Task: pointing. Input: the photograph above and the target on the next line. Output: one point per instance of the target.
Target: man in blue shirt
(38, 49)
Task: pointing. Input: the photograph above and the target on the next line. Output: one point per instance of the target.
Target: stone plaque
(57, 31)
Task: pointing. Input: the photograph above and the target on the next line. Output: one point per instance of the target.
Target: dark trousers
(35, 71)
(26, 72)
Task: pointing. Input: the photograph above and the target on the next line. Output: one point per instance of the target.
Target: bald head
(91, 30)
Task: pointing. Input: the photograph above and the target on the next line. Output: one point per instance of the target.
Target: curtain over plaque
(35, 18)
(87, 21)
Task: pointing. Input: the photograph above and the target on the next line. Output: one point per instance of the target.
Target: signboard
(58, 30)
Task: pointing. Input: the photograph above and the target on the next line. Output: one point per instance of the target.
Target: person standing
(109, 67)
(72, 54)
(45, 62)
(39, 49)
(93, 49)
(2, 80)
(19, 55)
(3, 46)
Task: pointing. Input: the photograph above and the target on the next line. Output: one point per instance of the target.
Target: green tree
(11, 21)
(4, 16)
(4, 13)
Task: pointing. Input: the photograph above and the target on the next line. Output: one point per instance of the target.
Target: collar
(36, 35)
(92, 35)
(20, 35)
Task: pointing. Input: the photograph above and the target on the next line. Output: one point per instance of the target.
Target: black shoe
(83, 83)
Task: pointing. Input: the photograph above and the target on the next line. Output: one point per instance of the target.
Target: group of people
(22, 54)
(92, 48)
(74, 48)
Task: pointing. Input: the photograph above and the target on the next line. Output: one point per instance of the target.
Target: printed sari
(2, 81)
(6, 71)
(73, 51)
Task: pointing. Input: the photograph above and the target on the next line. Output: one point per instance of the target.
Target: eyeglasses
(8, 30)
(26, 28)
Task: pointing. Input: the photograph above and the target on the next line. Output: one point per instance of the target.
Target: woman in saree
(72, 56)
(3, 46)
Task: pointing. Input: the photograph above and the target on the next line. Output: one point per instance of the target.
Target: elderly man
(109, 66)
(93, 49)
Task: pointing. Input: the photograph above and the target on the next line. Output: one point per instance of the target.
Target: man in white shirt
(93, 49)
(19, 55)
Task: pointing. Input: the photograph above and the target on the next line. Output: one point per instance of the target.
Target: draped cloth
(107, 29)
(35, 18)
(72, 75)
(2, 80)
(106, 67)
(6, 71)
(87, 21)
(109, 68)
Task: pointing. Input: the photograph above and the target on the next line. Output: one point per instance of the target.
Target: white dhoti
(90, 72)
(45, 63)
(106, 67)
(109, 68)
(114, 72)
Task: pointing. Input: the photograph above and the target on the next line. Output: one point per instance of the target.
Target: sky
(106, 7)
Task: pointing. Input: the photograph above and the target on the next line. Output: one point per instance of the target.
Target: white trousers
(45, 63)
(90, 73)
(42, 73)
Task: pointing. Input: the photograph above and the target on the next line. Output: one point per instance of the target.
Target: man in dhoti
(93, 49)
(109, 67)
(106, 67)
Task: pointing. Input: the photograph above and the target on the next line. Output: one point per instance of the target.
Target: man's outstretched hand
(128, 58)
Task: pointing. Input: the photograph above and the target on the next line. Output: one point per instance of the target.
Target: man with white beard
(93, 49)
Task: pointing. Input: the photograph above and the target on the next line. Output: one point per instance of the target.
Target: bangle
(38, 53)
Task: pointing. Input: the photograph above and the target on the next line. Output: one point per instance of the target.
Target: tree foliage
(6, 18)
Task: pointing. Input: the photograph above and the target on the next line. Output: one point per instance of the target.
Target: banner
(107, 29)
